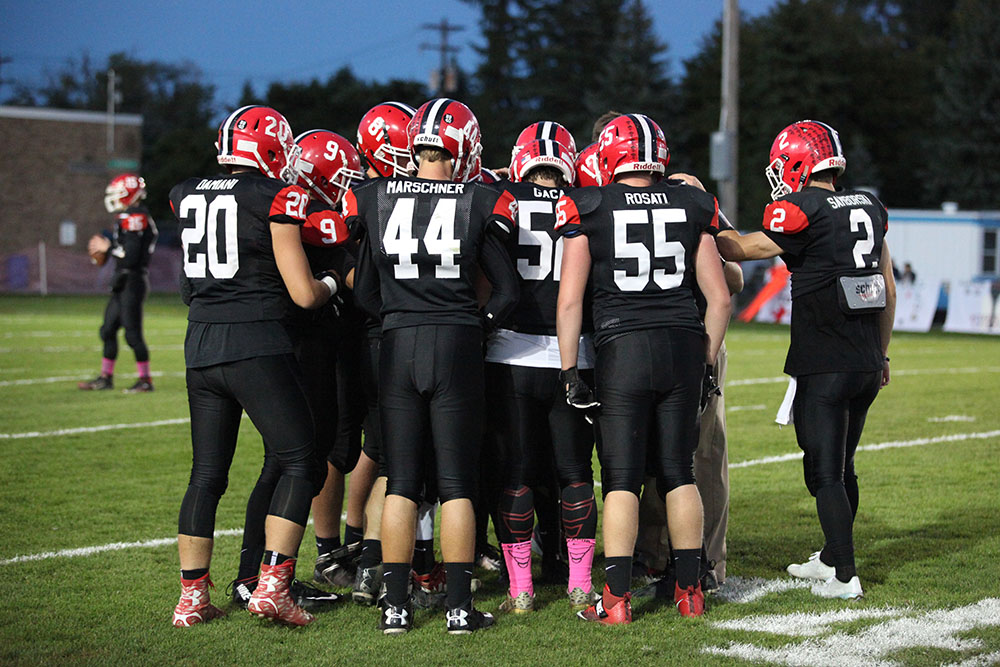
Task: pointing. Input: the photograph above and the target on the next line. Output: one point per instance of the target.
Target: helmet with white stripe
(632, 143)
(544, 130)
(800, 150)
(450, 126)
(382, 138)
(260, 137)
(543, 153)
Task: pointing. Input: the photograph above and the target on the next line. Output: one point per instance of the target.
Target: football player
(243, 258)
(132, 243)
(327, 165)
(530, 416)
(644, 243)
(425, 238)
(383, 143)
(843, 305)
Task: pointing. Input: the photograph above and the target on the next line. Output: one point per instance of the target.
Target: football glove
(578, 394)
(334, 283)
(709, 388)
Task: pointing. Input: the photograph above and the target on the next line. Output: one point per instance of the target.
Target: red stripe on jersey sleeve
(715, 216)
(324, 229)
(566, 213)
(784, 217)
(506, 208)
(289, 205)
(350, 204)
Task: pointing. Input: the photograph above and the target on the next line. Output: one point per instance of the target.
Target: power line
(445, 79)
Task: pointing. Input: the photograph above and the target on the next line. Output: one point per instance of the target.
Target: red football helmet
(799, 150)
(382, 138)
(544, 153)
(633, 142)
(544, 129)
(451, 126)
(123, 191)
(259, 137)
(588, 170)
(328, 164)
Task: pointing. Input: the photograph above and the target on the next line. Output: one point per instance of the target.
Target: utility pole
(3, 61)
(444, 80)
(114, 99)
(725, 142)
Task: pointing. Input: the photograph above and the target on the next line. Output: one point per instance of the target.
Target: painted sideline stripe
(92, 429)
(903, 371)
(954, 437)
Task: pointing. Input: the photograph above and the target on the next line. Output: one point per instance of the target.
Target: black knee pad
(197, 515)
(292, 499)
(407, 488)
(674, 479)
(454, 489)
(107, 332)
(621, 480)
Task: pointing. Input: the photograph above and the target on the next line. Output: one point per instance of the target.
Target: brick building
(56, 165)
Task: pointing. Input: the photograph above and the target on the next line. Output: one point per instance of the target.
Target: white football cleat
(835, 588)
(813, 568)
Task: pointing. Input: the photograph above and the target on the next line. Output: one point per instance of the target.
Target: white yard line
(82, 375)
(86, 551)
(80, 348)
(92, 429)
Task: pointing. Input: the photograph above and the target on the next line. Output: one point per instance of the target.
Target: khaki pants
(711, 469)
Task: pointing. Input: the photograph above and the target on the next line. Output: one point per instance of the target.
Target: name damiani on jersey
(849, 200)
(419, 187)
(646, 198)
(213, 184)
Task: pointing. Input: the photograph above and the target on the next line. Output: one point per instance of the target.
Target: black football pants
(124, 310)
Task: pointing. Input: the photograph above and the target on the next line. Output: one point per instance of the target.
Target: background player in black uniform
(327, 166)
(643, 244)
(426, 236)
(243, 258)
(529, 415)
(132, 243)
(843, 304)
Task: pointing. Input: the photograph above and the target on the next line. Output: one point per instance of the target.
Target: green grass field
(82, 471)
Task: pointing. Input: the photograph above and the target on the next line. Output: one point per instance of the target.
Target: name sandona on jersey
(825, 235)
(426, 238)
(642, 248)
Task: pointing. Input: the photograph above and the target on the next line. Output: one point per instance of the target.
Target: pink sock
(143, 367)
(107, 366)
(518, 559)
(581, 559)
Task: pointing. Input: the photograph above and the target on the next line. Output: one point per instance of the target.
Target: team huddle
(485, 330)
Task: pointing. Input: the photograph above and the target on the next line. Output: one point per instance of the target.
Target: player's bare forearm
(712, 283)
(569, 305)
(736, 247)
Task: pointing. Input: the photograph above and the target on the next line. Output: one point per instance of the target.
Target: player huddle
(486, 330)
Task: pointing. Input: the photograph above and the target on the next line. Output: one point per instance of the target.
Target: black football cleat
(101, 382)
(395, 620)
(312, 598)
(467, 619)
(141, 386)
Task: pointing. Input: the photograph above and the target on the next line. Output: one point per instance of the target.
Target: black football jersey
(825, 235)
(226, 237)
(642, 248)
(237, 297)
(536, 250)
(426, 237)
(134, 239)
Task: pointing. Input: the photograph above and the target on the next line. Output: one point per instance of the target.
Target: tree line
(913, 86)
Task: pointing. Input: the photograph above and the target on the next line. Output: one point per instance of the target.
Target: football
(97, 248)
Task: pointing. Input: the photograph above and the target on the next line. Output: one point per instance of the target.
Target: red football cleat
(273, 600)
(690, 601)
(194, 607)
(619, 614)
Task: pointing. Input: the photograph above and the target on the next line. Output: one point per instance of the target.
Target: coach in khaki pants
(711, 470)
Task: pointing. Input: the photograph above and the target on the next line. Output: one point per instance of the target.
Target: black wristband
(887, 358)
(569, 375)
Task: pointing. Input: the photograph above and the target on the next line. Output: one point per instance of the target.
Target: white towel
(784, 416)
